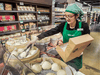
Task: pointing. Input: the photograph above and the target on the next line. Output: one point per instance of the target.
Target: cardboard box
(2, 29)
(74, 47)
(1, 8)
(26, 25)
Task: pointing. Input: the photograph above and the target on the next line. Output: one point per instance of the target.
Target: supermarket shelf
(44, 20)
(26, 11)
(12, 22)
(60, 21)
(1, 11)
(9, 22)
(10, 32)
(29, 21)
(59, 14)
(43, 12)
(59, 18)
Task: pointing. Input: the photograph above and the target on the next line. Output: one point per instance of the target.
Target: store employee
(69, 29)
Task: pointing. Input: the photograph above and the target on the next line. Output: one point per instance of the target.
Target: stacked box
(8, 28)
(8, 7)
(1, 6)
(26, 25)
(32, 25)
(21, 26)
(7, 18)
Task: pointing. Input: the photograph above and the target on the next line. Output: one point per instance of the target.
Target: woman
(69, 29)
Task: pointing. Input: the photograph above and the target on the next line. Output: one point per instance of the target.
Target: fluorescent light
(84, 2)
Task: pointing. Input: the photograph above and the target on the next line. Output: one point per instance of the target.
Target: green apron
(67, 34)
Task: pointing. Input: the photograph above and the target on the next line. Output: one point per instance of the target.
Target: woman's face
(70, 17)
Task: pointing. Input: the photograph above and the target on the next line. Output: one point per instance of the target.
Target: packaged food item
(24, 8)
(0, 18)
(26, 25)
(18, 34)
(9, 28)
(2, 29)
(12, 18)
(23, 17)
(32, 25)
(13, 27)
(21, 26)
(8, 7)
(18, 7)
(1, 8)
(31, 9)
(21, 8)
(20, 18)
(1, 5)
(5, 28)
(7, 17)
(26, 18)
(3, 18)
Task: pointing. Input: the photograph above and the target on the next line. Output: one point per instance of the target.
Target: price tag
(21, 21)
(21, 3)
(39, 27)
(40, 20)
(39, 12)
(23, 30)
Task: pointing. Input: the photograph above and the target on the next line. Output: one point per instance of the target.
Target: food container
(13, 60)
(51, 60)
(11, 47)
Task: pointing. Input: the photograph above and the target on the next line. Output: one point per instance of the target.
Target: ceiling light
(84, 2)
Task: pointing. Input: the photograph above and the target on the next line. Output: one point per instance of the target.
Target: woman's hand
(60, 42)
(32, 41)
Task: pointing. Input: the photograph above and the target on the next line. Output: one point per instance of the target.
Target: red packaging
(1, 28)
(7, 17)
(13, 17)
(13, 27)
(9, 28)
(0, 18)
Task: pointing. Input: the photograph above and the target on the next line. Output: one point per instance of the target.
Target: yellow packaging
(26, 25)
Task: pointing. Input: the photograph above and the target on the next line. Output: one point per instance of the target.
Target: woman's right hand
(32, 41)
(60, 42)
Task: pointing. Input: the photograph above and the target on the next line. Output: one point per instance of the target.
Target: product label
(40, 20)
(80, 29)
(39, 12)
(21, 21)
(23, 30)
(21, 3)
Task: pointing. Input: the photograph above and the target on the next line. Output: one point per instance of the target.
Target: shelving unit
(59, 15)
(9, 22)
(16, 13)
(60, 21)
(10, 32)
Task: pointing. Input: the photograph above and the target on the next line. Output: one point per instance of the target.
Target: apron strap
(80, 24)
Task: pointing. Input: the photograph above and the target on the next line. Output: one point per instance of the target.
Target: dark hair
(76, 15)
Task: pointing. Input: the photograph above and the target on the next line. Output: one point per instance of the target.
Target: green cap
(73, 8)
